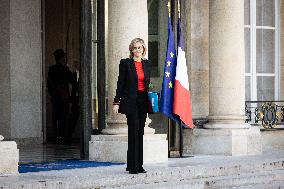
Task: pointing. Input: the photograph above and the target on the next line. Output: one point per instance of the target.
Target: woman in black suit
(132, 100)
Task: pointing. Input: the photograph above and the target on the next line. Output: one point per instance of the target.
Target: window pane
(265, 51)
(265, 12)
(153, 17)
(153, 32)
(248, 87)
(153, 56)
(265, 88)
(247, 49)
(247, 12)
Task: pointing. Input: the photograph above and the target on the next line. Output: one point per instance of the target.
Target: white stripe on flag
(181, 69)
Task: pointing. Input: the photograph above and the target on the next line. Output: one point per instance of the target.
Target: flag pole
(180, 123)
(180, 140)
(169, 121)
(169, 7)
(178, 8)
(169, 138)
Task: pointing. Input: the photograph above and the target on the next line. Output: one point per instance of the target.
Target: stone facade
(214, 32)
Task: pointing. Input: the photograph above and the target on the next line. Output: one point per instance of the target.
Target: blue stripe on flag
(167, 92)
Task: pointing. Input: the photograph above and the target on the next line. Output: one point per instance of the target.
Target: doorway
(61, 30)
(67, 25)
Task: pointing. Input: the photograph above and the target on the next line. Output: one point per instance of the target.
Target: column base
(116, 125)
(9, 161)
(230, 142)
(113, 148)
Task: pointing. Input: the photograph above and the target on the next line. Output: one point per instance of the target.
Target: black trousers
(60, 116)
(136, 123)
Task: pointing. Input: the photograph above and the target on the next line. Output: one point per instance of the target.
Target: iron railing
(267, 113)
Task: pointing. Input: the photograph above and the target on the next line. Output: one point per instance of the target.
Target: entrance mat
(61, 164)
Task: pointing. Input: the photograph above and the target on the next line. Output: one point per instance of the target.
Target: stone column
(125, 24)
(226, 133)
(127, 20)
(199, 56)
(227, 64)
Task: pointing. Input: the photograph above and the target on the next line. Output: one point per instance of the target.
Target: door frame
(43, 79)
(85, 88)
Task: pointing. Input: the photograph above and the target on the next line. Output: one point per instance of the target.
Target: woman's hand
(115, 108)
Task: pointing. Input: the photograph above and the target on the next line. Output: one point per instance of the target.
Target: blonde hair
(131, 46)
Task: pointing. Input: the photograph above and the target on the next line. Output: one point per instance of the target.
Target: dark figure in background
(132, 100)
(58, 83)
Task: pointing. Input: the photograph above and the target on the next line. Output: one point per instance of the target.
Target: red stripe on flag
(182, 105)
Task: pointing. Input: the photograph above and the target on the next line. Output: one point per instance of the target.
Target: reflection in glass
(265, 10)
(153, 19)
(153, 36)
(247, 49)
(265, 88)
(248, 88)
(265, 51)
(247, 12)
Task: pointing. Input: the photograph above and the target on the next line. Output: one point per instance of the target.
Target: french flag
(181, 101)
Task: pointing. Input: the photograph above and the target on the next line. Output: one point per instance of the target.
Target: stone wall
(5, 95)
(26, 68)
(20, 82)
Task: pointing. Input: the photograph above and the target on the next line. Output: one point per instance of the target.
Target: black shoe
(133, 172)
(141, 170)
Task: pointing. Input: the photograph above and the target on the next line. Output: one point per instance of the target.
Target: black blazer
(127, 83)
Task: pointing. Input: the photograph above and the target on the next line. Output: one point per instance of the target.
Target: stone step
(189, 175)
(273, 185)
(216, 169)
(193, 184)
(267, 179)
(195, 173)
(246, 179)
